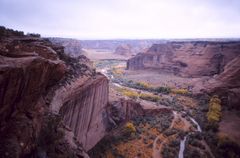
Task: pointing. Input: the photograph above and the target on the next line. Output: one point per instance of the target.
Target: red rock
(29, 67)
(190, 59)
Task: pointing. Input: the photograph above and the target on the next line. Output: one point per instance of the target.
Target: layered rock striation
(39, 84)
(29, 67)
(82, 105)
(190, 59)
(227, 84)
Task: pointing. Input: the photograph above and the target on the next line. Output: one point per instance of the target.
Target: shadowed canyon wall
(38, 79)
(29, 67)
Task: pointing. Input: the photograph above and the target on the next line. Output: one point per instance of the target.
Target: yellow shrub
(149, 97)
(214, 111)
(179, 91)
(129, 127)
(128, 93)
(134, 95)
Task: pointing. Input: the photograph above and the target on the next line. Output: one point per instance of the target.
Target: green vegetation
(51, 138)
(144, 85)
(227, 147)
(164, 90)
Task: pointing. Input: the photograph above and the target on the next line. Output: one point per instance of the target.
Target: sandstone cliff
(29, 68)
(72, 47)
(190, 59)
(39, 84)
(82, 104)
(227, 83)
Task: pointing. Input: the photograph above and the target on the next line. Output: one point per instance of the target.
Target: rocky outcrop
(29, 67)
(227, 83)
(72, 47)
(82, 104)
(124, 49)
(124, 110)
(190, 59)
(46, 94)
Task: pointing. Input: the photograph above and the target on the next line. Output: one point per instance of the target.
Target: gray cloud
(124, 18)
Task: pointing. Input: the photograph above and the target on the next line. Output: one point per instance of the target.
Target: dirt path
(156, 152)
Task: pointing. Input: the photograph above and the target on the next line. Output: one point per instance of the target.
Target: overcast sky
(118, 19)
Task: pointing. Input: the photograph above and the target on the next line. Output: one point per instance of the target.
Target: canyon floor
(166, 130)
(166, 134)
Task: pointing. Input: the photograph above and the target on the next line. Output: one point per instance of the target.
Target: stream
(183, 142)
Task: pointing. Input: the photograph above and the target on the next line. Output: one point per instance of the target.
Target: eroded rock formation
(43, 93)
(82, 104)
(227, 83)
(190, 59)
(124, 49)
(29, 67)
(72, 47)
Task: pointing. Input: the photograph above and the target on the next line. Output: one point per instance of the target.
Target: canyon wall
(82, 105)
(40, 83)
(227, 84)
(72, 47)
(29, 67)
(190, 59)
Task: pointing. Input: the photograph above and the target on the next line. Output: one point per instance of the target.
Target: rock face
(29, 67)
(72, 47)
(82, 104)
(38, 79)
(227, 83)
(124, 49)
(190, 59)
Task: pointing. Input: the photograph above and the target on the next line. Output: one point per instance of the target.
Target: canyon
(55, 102)
(216, 63)
(190, 59)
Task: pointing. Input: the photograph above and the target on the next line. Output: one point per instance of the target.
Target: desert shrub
(128, 93)
(170, 132)
(174, 143)
(180, 91)
(49, 135)
(227, 148)
(129, 128)
(33, 35)
(165, 90)
(51, 139)
(131, 94)
(149, 97)
(212, 126)
(165, 101)
(214, 111)
(143, 85)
